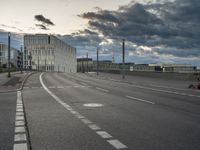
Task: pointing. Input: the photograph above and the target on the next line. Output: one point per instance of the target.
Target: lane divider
(20, 138)
(101, 89)
(103, 134)
(138, 99)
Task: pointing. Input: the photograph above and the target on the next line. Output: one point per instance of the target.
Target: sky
(155, 31)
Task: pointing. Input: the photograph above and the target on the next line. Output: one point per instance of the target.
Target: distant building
(179, 68)
(84, 64)
(48, 53)
(4, 55)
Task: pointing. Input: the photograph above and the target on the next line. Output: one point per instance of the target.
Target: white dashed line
(117, 144)
(21, 146)
(18, 118)
(138, 99)
(19, 123)
(86, 121)
(104, 90)
(20, 137)
(19, 129)
(19, 114)
(94, 127)
(103, 134)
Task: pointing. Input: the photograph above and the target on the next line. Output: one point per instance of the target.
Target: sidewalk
(13, 83)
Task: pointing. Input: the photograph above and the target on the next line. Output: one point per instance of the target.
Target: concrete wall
(161, 75)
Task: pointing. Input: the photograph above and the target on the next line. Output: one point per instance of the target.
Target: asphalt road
(136, 114)
(7, 120)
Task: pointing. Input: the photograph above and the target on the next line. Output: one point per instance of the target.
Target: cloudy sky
(155, 31)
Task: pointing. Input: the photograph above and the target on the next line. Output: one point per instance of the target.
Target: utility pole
(97, 61)
(38, 63)
(30, 61)
(9, 55)
(45, 64)
(21, 64)
(123, 59)
(87, 61)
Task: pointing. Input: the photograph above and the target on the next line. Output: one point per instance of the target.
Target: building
(178, 68)
(84, 64)
(48, 53)
(4, 56)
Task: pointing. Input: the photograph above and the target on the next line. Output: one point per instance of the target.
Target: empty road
(85, 112)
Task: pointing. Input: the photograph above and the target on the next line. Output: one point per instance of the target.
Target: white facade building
(4, 55)
(48, 53)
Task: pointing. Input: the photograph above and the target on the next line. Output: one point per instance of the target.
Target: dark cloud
(44, 20)
(41, 26)
(173, 27)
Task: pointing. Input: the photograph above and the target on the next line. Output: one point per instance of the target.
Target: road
(85, 112)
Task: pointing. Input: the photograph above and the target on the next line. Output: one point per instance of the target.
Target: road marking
(60, 87)
(20, 110)
(101, 89)
(165, 91)
(20, 137)
(74, 112)
(79, 116)
(19, 123)
(138, 99)
(86, 121)
(93, 105)
(117, 144)
(94, 127)
(19, 114)
(104, 134)
(18, 118)
(19, 129)
(21, 146)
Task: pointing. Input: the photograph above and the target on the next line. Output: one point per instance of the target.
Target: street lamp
(9, 55)
(21, 64)
(97, 61)
(123, 58)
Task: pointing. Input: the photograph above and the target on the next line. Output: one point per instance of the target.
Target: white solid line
(21, 146)
(94, 127)
(138, 99)
(104, 134)
(19, 129)
(104, 90)
(19, 123)
(20, 137)
(117, 144)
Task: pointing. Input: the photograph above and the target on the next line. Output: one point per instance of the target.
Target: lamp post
(97, 61)
(9, 55)
(123, 58)
(21, 64)
(87, 61)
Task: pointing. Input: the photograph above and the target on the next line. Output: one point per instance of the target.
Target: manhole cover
(93, 105)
